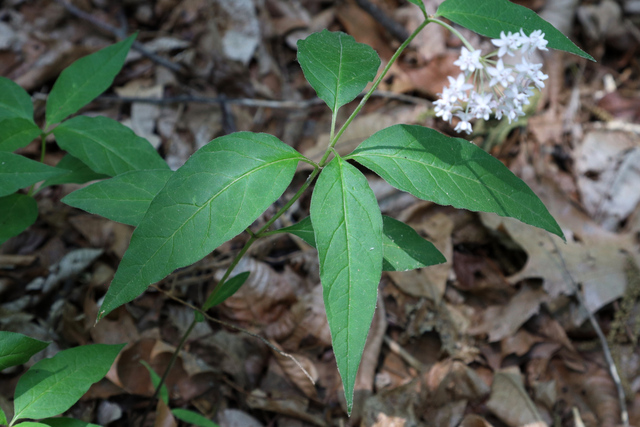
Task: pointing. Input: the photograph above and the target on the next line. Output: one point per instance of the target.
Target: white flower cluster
(510, 87)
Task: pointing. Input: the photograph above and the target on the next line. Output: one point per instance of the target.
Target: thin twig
(120, 33)
(259, 103)
(239, 329)
(613, 370)
(394, 28)
(404, 354)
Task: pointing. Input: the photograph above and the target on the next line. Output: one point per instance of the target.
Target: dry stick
(248, 102)
(395, 29)
(613, 371)
(121, 34)
(239, 329)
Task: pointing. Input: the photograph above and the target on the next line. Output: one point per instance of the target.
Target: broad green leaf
(348, 232)
(420, 4)
(66, 422)
(15, 101)
(490, 17)
(76, 172)
(17, 213)
(3, 418)
(228, 288)
(192, 418)
(124, 198)
(85, 79)
(18, 172)
(212, 198)
(155, 380)
(107, 146)
(451, 171)
(16, 133)
(403, 248)
(16, 349)
(53, 385)
(336, 66)
(31, 424)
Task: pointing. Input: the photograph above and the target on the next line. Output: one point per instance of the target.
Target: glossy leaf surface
(348, 233)
(18, 172)
(53, 385)
(403, 248)
(490, 17)
(66, 422)
(124, 198)
(336, 66)
(85, 79)
(17, 213)
(192, 418)
(17, 133)
(15, 101)
(213, 197)
(16, 349)
(228, 288)
(107, 146)
(451, 171)
(75, 172)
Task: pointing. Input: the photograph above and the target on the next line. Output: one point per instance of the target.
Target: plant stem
(174, 357)
(453, 30)
(334, 140)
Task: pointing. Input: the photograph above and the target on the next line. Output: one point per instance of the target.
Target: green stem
(453, 30)
(43, 151)
(366, 97)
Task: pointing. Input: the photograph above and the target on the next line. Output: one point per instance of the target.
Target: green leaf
(3, 418)
(155, 380)
(228, 288)
(31, 424)
(53, 385)
(15, 101)
(16, 349)
(348, 232)
(403, 248)
(85, 79)
(107, 146)
(66, 422)
(451, 171)
(124, 198)
(490, 17)
(192, 418)
(336, 66)
(17, 133)
(17, 213)
(17, 172)
(212, 198)
(420, 4)
(76, 172)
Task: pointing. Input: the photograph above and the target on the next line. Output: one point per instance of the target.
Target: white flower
(459, 87)
(500, 74)
(469, 60)
(535, 41)
(464, 125)
(481, 105)
(444, 109)
(507, 44)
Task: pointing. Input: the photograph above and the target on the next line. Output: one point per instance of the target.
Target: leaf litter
(493, 337)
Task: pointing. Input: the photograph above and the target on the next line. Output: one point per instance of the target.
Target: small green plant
(182, 216)
(51, 386)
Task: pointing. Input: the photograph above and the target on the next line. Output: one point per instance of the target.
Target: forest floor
(502, 334)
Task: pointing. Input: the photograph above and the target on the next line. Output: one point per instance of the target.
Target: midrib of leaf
(107, 148)
(84, 84)
(335, 102)
(35, 399)
(346, 232)
(426, 166)
(170, 238)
